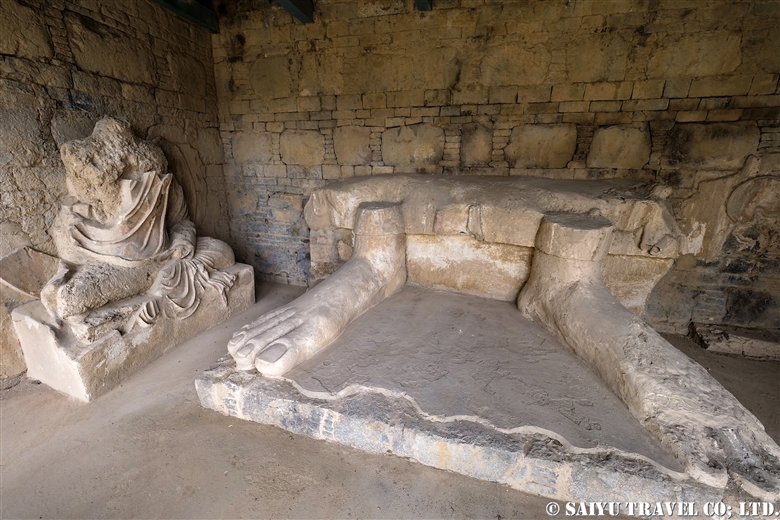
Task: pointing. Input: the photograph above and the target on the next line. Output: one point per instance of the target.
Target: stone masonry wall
(678, 91)
(65, 64)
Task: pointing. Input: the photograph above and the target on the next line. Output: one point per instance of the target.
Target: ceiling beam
(303, 10)
(424, 5)
(193, 11)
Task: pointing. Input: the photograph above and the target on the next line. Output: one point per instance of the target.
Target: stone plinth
(526, 459)
(22, 275)
(468, 385)
(85, 371)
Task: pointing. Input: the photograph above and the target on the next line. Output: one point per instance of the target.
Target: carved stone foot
(705, 426)
(281, 339)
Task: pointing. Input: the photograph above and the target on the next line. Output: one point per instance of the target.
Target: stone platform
(465, 384)
(57, 358)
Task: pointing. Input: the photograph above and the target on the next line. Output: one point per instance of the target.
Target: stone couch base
(86, 371)
(528, 459)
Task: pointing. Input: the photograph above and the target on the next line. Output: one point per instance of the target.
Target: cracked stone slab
(468, 385)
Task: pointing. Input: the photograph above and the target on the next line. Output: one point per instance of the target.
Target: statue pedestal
(85, 371)
(468, 385)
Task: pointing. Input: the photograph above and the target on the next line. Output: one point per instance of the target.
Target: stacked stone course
(444, 92)
(64, 64)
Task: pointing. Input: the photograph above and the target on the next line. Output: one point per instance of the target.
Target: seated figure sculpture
(126, 233)
(576, 234)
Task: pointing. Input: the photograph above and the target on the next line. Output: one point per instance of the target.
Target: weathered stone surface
(507, 65)
(413, 145)
(467, 265)
(209, 146)
(12, 237)
(352, 145)
(302, 147)
(476, 145)
(631, 279)
(597, 57)
(188, 74)
(710, 53)
(541, 146)
(24, 33)
(621, 146)
(22, 143)
(319, 75)
(104, 50)
(87, 370)
(735, 342)
(253, 147)
(22, 275)
(67, 126)
(714, 146)
(528, 459)
(565, 294)
(270, 77)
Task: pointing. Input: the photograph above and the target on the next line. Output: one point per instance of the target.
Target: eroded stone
(132, 261)
(476, 145)
(714, 146)
(622, 146)
(413, 145)
(541, 146)
(302, 147)
(351, 144)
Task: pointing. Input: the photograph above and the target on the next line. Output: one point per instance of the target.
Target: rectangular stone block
(470, 96)
(763, 84)
(437, 97)
(468, 265)
(754, 101)
(605, 106)
(724, 115)
(645, 104)
(683, 104)
(713, 87)
(574, 106)
(713, 103)
(407, 98)
(691, 116)
(349, 102)
(650, 89)
(309, 104)
(86, 371)
(608, 90)
(613, 118)
(535, 94)
(568, 92)
(677, 88)
(503, 95)
(374, 100)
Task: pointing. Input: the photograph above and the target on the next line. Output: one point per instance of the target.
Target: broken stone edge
(86, 372)
(527, 458)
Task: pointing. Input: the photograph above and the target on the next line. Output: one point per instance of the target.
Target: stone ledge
(85, 371)
(528, 459)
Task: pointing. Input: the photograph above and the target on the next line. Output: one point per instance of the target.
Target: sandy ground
(148, 450)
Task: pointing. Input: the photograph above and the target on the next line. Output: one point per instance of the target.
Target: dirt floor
(149, 450)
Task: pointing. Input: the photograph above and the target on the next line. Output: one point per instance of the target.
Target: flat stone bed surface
(459, 355)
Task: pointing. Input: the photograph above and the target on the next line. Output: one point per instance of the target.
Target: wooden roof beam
(303, 10)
